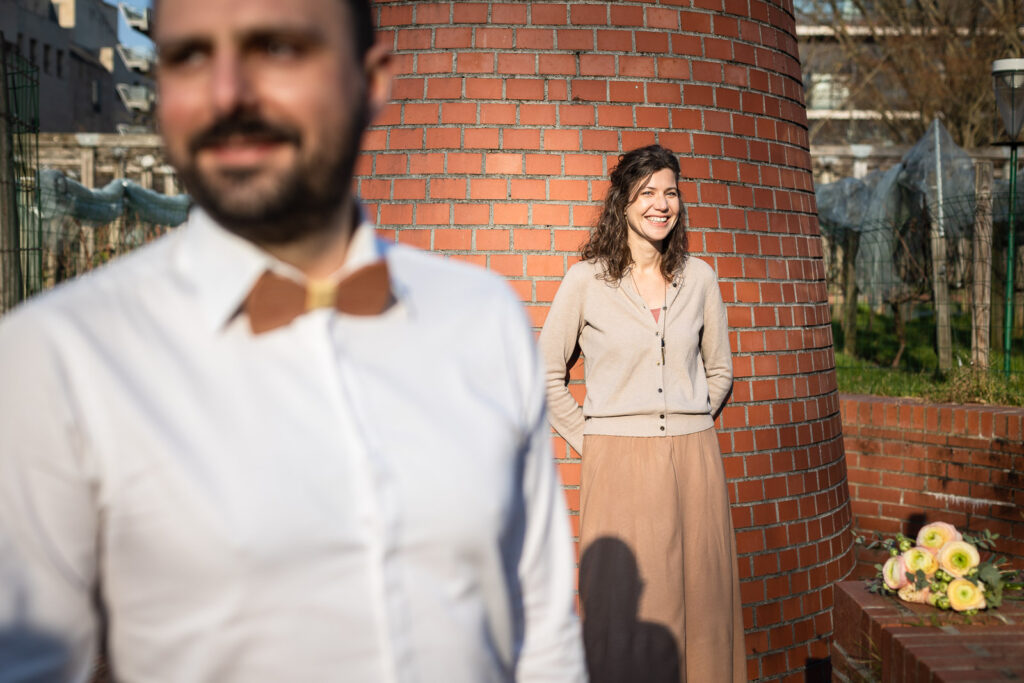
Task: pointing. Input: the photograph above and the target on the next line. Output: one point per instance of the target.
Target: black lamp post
(1008, 77)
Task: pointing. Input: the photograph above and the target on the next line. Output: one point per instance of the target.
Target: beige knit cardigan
(631, 391)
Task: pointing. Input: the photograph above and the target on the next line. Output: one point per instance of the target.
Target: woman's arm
(558, 340)
(714, 347)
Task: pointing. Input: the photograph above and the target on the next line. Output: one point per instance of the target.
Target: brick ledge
(880, 638)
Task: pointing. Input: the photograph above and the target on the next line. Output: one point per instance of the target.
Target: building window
(32, 50)
(46, 59)
(60, 63)
(827, 91)
(21, 46)
(95, 95)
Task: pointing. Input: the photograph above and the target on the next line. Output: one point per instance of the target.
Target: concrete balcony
(136, 97)
(136, 59)
(138, 19)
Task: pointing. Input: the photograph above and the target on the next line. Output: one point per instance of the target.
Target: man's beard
(306, 197)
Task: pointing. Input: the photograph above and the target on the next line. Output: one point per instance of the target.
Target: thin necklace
(664, 309)
(664, 293)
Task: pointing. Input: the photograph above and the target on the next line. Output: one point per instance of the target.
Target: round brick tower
(506, 119)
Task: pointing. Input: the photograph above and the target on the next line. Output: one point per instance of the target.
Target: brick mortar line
(807, 544)
(902, 489)
(781, 449)
(792, 497)
(501, 127)
(789, 622)
(848, 527)
(907, 435)
(794, 619)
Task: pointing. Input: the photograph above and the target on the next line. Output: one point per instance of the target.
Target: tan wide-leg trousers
(659, 589)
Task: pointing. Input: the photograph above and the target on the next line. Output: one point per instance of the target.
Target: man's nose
(231, 85)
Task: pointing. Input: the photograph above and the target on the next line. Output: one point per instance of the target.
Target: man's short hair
(362, 25)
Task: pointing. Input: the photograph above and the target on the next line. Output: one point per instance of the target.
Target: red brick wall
(911, 463)
(507, 118)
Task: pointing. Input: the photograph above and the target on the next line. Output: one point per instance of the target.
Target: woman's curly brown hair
(608, 242)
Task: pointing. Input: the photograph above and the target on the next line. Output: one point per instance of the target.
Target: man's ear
(377, 67)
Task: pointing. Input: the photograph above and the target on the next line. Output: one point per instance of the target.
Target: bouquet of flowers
(943, 568)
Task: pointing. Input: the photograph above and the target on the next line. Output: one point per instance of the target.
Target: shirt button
(657, 334)
(675, 284)
(662, 417)
(662, 429)
(659, 390)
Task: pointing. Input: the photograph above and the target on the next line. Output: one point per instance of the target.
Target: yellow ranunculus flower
(937, 534)
(920, 558)
(958, 557)
(964, 595)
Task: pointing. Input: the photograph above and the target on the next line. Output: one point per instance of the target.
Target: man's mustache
(251, 128)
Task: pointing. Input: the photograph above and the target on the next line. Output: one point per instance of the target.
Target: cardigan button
(659, 390)
(662, 429)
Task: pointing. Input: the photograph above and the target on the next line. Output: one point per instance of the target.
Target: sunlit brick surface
(506, 120)
(911, 463)
(881, 638)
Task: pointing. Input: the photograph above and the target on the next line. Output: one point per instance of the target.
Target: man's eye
(183, 57)
(280, 49)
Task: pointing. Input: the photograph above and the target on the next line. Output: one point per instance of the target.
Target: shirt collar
(223, 267)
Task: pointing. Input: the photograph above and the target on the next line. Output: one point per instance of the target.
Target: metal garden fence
(907, 297)
(20, 236)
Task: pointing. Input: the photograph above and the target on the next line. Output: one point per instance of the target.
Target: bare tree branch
(929, 57)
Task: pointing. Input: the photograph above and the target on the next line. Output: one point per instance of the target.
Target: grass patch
(871, 371)
(961, 385)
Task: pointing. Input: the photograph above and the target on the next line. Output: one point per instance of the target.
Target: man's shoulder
(446, 280)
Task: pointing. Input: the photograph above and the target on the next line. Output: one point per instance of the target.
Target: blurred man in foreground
(269, 446)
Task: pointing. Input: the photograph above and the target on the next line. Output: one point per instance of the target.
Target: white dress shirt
(340, 499)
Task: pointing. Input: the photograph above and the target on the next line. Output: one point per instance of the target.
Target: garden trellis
(83, 228)
(917, 247)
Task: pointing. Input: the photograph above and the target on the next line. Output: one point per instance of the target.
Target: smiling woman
(651, 326)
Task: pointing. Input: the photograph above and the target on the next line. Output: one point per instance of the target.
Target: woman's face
(655, 211)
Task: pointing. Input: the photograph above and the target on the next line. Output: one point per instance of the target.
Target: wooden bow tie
(275, 301)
